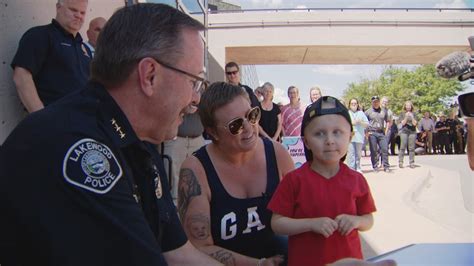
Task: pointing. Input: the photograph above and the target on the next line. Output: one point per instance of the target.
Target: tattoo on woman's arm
(198, 226)
(224, 257)
(188, 187)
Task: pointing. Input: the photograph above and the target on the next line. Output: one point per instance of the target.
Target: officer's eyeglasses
(199, 84)
(236, 125)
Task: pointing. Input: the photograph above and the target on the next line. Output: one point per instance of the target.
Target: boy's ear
(304, 142)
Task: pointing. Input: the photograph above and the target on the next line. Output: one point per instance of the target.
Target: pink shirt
(291, 120)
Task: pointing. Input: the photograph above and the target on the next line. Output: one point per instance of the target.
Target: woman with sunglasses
(225, 187)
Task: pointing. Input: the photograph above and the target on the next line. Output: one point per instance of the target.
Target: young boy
(323, 204)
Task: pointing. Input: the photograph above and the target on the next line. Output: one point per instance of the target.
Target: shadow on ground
(367, 250)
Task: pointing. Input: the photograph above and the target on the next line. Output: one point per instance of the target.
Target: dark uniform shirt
(441, 124)
(58, 61)
(77, 187)
(239, 224)
(451, 123)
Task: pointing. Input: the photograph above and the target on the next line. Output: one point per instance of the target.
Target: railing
(340, 21)
(339, 9)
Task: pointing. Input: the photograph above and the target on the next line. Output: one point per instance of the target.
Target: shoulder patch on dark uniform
(91, 165)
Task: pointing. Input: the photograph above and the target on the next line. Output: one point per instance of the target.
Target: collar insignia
(117, 128)
(84, 50)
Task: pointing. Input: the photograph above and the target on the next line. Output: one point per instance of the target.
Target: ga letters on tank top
(239, 224)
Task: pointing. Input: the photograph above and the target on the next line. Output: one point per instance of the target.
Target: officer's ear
(147, 75)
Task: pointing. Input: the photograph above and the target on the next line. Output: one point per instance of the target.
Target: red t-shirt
(303, 193)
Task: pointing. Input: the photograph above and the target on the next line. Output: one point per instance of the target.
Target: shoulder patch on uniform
(91, 165)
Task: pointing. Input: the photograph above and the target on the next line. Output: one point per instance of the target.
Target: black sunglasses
(232, 72)
(199, 84)
(236, 125)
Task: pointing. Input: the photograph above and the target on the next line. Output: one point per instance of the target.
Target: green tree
(422, 86)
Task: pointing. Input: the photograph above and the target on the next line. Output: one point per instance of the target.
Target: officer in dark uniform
(452, 134)
(442, 127)
(81, 182)
(457, 135)
(52, 60)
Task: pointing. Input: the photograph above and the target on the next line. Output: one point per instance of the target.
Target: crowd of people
(377, 127)
(84, 173)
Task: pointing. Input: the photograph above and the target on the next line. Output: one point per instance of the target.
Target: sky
(332, 79)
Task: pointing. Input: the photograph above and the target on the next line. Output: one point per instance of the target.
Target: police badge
(91, 165)
(157, 180)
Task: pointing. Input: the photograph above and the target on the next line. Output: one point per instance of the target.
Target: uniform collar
(114, 121)
(90, 46)
(66, 33)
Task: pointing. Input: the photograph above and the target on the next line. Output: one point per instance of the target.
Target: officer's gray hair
(135, 32)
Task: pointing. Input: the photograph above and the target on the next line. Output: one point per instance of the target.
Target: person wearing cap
(384, 104)
(378, 117)
(443, 130)
(323, 204)
(225, 186)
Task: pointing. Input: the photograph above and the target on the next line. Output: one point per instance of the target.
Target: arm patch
(91, 165)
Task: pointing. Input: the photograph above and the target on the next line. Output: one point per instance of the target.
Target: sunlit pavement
(432, 203)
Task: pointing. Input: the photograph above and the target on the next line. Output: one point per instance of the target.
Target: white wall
(17, 16)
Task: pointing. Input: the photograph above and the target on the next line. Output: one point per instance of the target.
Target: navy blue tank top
(242, 225)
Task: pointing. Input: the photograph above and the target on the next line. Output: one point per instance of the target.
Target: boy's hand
(346, 223)
(324, 226)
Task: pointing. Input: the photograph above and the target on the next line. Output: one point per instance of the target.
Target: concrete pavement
(432, 203)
